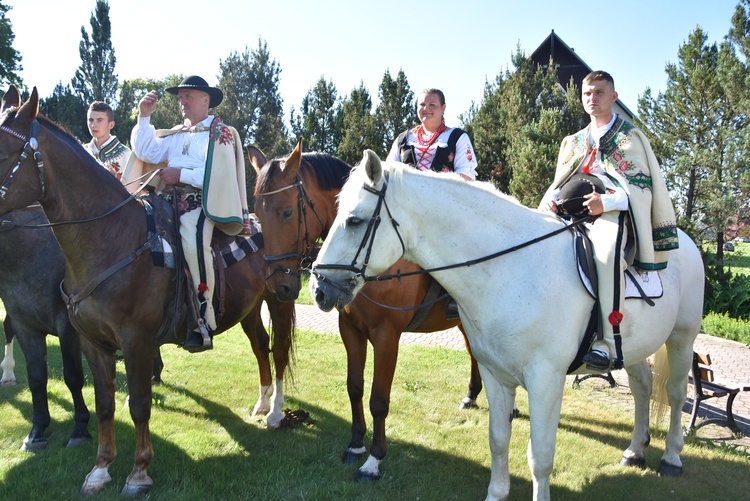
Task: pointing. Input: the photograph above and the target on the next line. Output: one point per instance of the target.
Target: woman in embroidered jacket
(205, 162)
(433, 145)
(635, 202)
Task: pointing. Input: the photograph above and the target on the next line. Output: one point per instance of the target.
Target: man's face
(598, 97)
(193, 104)
(99, 124)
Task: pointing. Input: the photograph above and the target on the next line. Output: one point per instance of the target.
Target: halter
(31, 145)
(368, 239)
(306, 258)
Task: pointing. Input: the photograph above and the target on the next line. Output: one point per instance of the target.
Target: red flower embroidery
(615, 318)
(202, 287)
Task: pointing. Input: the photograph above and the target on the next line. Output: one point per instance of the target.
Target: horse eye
(287, 213)
(353, 221)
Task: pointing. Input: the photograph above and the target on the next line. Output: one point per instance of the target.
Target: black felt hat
(574, 190)
(197, 83)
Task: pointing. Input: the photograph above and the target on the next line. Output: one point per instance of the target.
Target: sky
(456, 46)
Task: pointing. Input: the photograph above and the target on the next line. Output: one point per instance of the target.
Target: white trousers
(192, 229)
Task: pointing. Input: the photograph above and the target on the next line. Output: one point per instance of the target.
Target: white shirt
(465, 161)
(184, 150)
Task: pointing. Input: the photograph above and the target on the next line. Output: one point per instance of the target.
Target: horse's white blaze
(8, 365)
(524, 312)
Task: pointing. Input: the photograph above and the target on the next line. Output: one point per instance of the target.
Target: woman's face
(430, 111)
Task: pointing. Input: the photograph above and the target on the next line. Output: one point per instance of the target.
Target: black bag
(572, 193)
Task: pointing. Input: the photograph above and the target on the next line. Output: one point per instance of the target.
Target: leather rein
(369, 238)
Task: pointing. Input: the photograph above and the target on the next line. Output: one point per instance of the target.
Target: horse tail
(659, 396)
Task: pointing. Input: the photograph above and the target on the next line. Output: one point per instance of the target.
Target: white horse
(525, 312)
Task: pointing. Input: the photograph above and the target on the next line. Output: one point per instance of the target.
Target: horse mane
(329, 172)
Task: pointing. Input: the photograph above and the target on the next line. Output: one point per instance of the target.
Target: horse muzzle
(329, 294)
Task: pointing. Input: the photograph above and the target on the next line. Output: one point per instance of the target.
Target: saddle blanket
(648, 281)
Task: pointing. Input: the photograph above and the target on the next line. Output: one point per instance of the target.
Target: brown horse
(295, 200)
(101, 228)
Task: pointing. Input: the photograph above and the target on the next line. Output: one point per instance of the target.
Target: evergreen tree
(95, 79)
(67, 109)
(320, 122)
(360, 131)
(698, 127)
(166, 115)
(396, 110)
(252, 104)
(10, 59)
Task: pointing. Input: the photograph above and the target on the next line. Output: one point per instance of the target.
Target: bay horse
(31, 269)
(100, 228)
(520, 299)
(295, 201)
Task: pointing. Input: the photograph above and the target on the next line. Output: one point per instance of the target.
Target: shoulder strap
(453, 138)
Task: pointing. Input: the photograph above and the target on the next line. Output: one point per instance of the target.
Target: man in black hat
(205, 163)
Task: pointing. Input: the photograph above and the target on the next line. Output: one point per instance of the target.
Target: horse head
(281, 203)
(19, 151)
(358, 246)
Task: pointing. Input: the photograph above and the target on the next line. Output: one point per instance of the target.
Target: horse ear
(257, 157)
(30, 109)
(11, 98)
(372, 166)
(291, 166)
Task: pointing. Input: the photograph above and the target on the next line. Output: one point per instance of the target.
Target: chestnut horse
(295, 201)
(118, 299)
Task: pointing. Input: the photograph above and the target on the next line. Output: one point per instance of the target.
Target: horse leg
(501, 399)
(102, 367)
(158, 367)
(680, 360)
(282, 323)
(9, 362)
(73, 375)
(475, 380)
(34, 346)
(139, 370)
(385, 355)
(640, 380)
(545, 391)
(256, 333)
(355, 344)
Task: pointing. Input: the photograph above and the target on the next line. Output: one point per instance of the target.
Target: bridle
(307, 256)
(31, 145)
(369, 238)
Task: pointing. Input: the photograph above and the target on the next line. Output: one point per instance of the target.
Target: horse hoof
(351, 457)
(468, 403)
(77, 441)
(273, 421)
(638, 462)
(364, 477)
(95, 482)
(132, 491)
(34, 445)
(8, 382)
(668, 470)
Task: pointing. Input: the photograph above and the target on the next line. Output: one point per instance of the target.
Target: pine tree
(320, 122)
(360, 132)
(10, 59)
(95, 78)
(67, 109)
(396, 110)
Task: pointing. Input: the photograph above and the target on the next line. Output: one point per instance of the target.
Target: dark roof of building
(568, 63)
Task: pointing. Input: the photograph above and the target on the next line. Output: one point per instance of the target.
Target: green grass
(206, 446)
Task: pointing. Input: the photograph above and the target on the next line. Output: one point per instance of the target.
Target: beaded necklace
(425, 153)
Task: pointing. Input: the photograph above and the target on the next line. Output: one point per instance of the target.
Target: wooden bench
(705, 386)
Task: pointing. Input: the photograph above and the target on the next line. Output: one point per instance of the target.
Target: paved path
(730, 360)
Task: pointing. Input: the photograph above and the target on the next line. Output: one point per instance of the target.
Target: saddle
(638, 285)
(166, 251)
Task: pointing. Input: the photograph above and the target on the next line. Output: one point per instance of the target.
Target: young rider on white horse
(635, 201)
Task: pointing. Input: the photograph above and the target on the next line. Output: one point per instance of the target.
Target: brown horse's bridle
(307, 256)
(32, 145)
